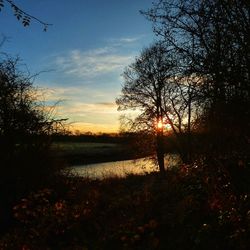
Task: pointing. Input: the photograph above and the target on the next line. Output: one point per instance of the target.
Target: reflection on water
(122, 168)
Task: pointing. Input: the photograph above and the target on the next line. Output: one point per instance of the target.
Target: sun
(162, 125)
(159, 125)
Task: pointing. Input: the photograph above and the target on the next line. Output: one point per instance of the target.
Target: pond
(122, 168)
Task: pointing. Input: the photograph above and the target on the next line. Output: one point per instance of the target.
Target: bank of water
(122, 168)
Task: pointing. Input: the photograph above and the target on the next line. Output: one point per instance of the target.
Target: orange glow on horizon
(80, 127)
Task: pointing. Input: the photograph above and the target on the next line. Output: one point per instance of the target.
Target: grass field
(91, 152)
(69, 148)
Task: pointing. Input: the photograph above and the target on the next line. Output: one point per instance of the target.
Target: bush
(25, 129)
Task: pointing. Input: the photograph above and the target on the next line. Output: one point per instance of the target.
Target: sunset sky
(83, 53)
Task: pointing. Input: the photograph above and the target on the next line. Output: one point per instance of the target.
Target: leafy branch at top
(23, 16)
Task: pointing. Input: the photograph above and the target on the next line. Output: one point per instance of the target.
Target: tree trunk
(188, 147)
(160, 151)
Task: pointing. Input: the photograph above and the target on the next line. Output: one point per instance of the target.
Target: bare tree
(143, 90)
(181, 109)
(213, 38)
(163, 97)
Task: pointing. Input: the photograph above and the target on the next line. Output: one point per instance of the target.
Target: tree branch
(26, 17)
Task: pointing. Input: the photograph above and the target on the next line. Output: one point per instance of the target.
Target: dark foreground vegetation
(192, 207)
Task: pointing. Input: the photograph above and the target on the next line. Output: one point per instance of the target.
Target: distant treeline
(91, 137)
(134, 140)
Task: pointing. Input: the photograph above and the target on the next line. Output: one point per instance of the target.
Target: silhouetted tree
(213, 38)
(22, 15)
(143, 90)
(182, 109)
(165, 95)
(25, 129)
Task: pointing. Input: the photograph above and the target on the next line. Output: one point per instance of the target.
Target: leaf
(26, 21)
(15, 8)
(26, 18)
(18, 15)
(1, 5)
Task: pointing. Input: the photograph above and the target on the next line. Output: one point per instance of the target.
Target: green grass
(86, 147)
(91, 152)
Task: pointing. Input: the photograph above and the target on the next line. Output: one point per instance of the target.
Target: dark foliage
(25, 129)
(192, 207)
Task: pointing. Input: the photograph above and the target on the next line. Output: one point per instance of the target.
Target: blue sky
(85, 52)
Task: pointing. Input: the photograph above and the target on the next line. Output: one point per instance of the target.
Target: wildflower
(59, 205)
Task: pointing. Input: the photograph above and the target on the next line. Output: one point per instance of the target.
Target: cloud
(112, 58)
(124, 41)
(129, 39)
(70, 95)
(75, 104)
(81, 109)
(93, 63)
(106, 104)
(87, 82)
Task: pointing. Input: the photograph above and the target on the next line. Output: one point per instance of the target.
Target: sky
(82, 55)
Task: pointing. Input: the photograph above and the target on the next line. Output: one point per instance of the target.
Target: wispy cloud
(106, 104)
(74, 94)
(124, 41)
(75, 104)
(110, 58)
(81, 109)
(129, 39)
(93, 63)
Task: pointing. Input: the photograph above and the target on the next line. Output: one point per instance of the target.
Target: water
(122, 168)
